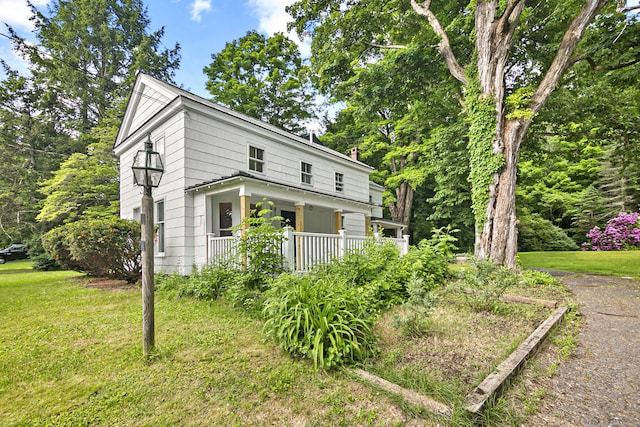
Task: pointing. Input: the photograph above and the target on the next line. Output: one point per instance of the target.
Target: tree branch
(623, 8)
(596, 67)
(561, 62)
(444, 47)
(506, 16)
(387, 46)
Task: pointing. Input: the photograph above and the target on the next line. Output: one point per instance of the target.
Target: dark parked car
(13, 252)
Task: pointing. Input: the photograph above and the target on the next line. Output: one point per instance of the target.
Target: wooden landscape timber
(410, 396)
(493, 384)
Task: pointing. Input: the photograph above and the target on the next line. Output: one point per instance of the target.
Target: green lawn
(70, 355)
(612, 263)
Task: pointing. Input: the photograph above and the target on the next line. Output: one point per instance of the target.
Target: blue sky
(202, 27)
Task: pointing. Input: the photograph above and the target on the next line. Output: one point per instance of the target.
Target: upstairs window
(305, 173)
(339, 182)
(256, 159)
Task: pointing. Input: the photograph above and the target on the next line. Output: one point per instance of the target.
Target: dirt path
(600, 384)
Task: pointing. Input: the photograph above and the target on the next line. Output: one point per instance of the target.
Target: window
(136, 214)
(305, 173)
(159, 235)
(339, 182)
(256, 159)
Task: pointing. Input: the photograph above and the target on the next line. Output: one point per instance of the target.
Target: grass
(72, 355)
(609, 263)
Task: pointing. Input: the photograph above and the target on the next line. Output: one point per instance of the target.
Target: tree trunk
(499, 237)
(401, 209)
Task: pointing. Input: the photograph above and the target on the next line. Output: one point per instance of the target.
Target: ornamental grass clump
(621, 233)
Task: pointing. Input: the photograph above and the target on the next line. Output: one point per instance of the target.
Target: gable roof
(172, 97)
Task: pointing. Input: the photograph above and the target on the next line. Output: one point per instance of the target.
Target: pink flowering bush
(621, 233)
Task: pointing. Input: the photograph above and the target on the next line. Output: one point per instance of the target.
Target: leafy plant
(430, 259)
(484, 284)
(207, 282)
(536, 233)
(101, 248)
(413, 319)
(319, 318)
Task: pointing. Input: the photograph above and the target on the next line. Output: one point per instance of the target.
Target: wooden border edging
(493, 383)
(408, 395)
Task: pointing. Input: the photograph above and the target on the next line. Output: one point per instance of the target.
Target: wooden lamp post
(147, 172)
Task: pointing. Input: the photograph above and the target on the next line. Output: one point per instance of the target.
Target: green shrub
(413, 317)
(101, 248)
(430, 259)
(42, 260)
(208, 282)
(54, 244)
(539, 234)
(260, 247)
(377, 270)
(484, 284)
(319, 318)
(539, 279)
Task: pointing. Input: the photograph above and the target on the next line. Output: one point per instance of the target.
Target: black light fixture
(147, 172)
(147, 166)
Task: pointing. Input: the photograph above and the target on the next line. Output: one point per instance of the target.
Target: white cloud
(273, 18)
(16, 13)
(198, 7)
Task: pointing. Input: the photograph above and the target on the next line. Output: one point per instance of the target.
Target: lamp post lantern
(147, 172)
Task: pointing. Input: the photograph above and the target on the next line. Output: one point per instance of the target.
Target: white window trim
(335, 182)
(309, 174)
(164, 227)
(264, 158)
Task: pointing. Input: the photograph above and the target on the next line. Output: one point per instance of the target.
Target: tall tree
(508, 57)
(264, 78)
(87, 54)
(388, 101)
(30, 148)
(82, 68)
(86, 185)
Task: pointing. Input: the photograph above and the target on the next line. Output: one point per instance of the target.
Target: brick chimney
(355, 153)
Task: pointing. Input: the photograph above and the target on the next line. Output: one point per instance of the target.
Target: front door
(289, 218)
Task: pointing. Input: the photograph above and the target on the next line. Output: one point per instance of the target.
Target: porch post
(300, 216)
(405, 246)
(367, 225)
(342, 244)
(337, 220)
(245, 210)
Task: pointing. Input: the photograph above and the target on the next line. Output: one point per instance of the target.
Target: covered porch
(319, 226)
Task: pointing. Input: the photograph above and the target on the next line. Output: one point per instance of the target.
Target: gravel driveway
(600, 384)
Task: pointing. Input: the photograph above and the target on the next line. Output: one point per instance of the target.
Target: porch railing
(301, 251)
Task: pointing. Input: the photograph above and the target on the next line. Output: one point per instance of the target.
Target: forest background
(380, 66)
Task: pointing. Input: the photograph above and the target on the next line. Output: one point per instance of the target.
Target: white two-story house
(219, 163)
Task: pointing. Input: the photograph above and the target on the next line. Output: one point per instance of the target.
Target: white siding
(214, 149)
(148, 104)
